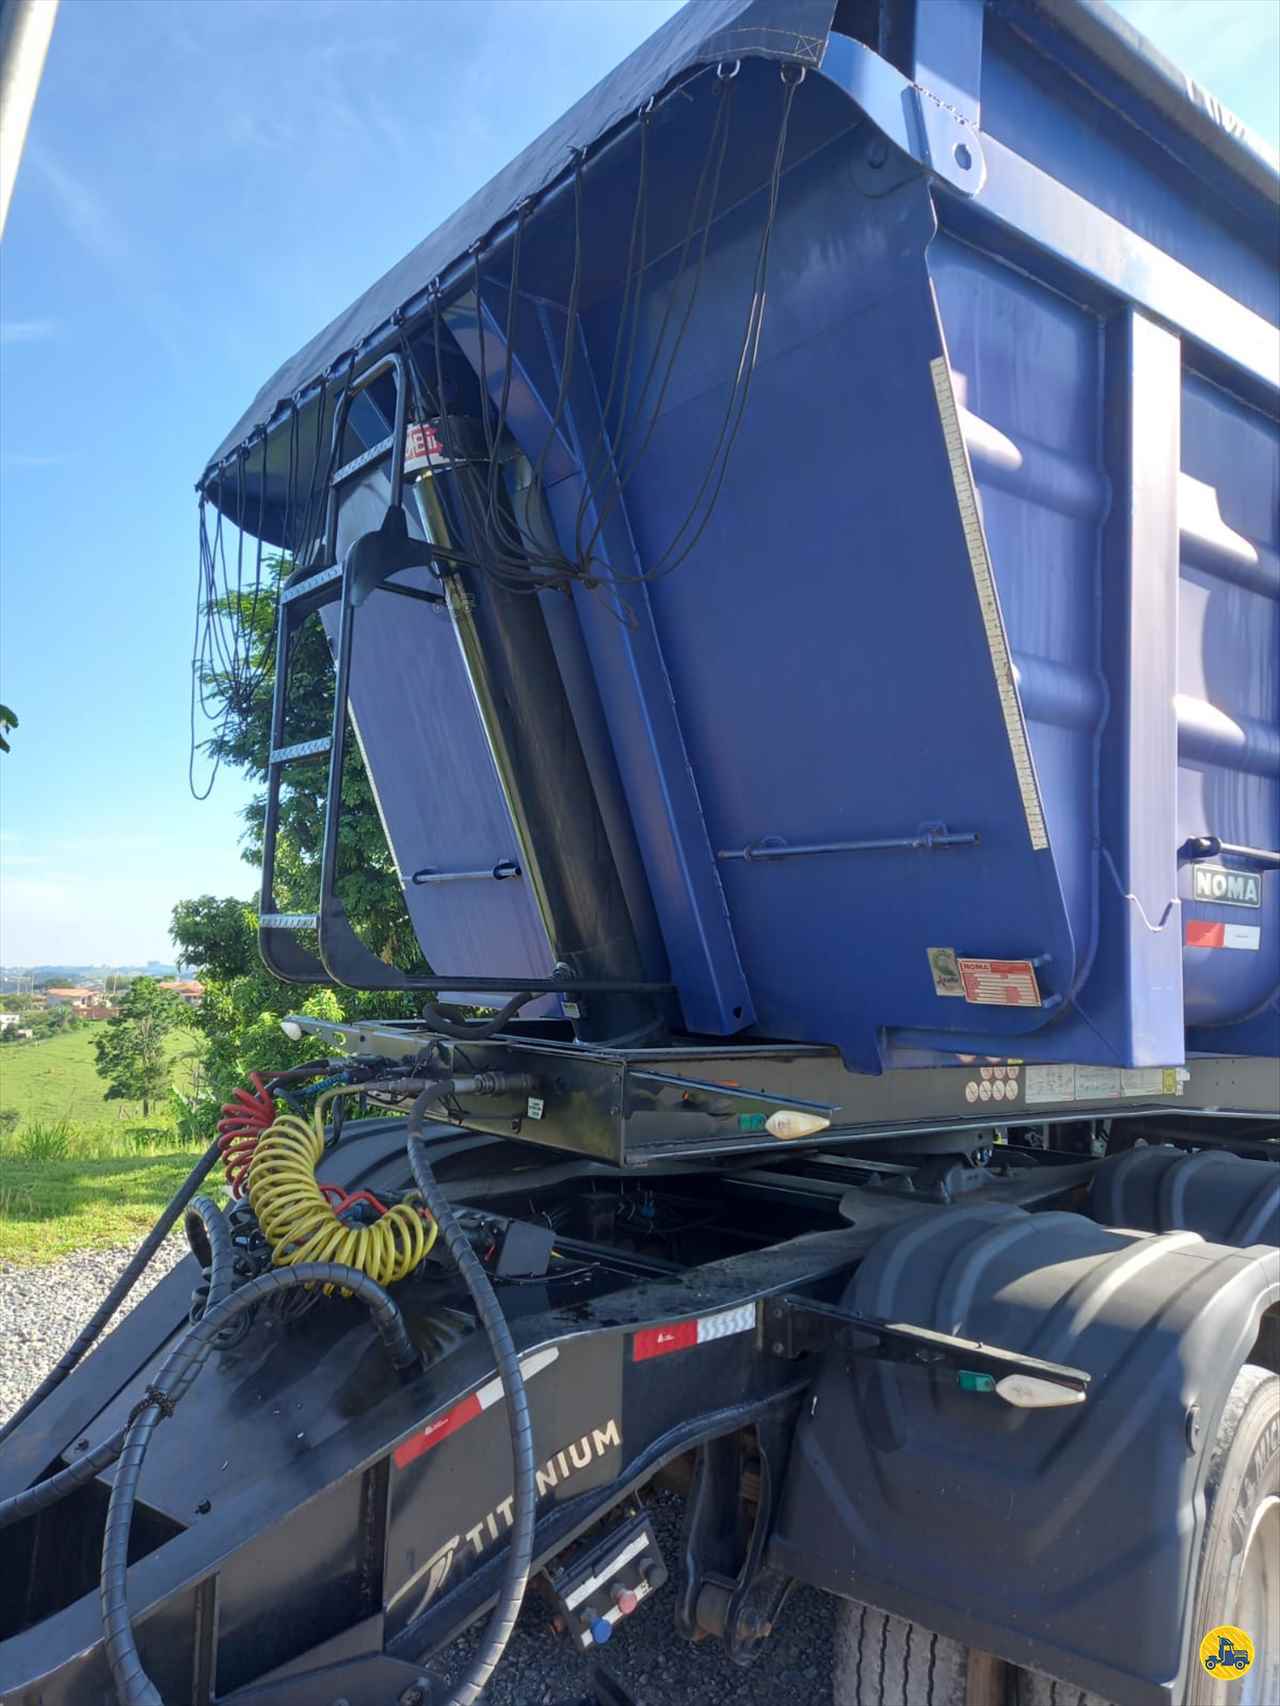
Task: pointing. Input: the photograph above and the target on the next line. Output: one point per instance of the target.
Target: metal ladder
(367, 566)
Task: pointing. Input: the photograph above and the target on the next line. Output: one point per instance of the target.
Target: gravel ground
(42, 1309)
(653, 1663)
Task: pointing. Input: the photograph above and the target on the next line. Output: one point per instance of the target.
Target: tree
(131, 1052)
(239, 1017)
(240, 706)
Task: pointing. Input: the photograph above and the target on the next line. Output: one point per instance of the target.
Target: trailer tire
(1242, 1527)
(887, 1661)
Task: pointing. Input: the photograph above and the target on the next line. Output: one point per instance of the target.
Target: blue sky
(206, 183)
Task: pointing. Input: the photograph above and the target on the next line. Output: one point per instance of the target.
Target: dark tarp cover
(702, 33)
(706, 32)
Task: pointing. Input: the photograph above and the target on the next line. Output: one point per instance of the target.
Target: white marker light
(787, 1122)
(292, 1029)
(1029, 1392)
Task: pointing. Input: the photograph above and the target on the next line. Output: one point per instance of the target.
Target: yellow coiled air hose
(301, 1225)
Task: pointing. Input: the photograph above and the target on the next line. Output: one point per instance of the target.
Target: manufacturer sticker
(1202, 934)
(1226, 888)
(999, 983)
(535, 1107)
(423, 448)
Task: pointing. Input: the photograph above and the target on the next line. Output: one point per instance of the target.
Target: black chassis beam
(307, 1536)
(700, 1101)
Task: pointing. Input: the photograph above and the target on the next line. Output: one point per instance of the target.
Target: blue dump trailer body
(922, 631)
(800, 558)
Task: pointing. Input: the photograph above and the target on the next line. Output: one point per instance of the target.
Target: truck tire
(1239, 1581)
(886, 1661)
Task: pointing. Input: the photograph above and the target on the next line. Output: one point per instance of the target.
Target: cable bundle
(302, 1225)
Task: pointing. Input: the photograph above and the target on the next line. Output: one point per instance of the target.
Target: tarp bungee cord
(506, 543)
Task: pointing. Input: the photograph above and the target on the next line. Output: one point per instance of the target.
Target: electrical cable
(220, 1256)
(519, 1559)
(132, 1684)
(301, 1224)
(85, 1339)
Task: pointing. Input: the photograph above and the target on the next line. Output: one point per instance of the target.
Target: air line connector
(497, 1084)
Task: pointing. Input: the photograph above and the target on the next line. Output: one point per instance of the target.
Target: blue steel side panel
(1052, 121)
(948, 53)
(1026, 368)
(1229, 700)
(437, 787)
(825, 641)
(1093, 635)
(1134, 995)
(632, 683)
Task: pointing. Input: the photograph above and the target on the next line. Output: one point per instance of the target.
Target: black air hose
(474, 1030)
(206, 1221)
(524, 1501)
(210, 1239)
(133, 1686)
(120, 1290)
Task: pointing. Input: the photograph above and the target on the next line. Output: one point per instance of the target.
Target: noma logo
(1227, 888)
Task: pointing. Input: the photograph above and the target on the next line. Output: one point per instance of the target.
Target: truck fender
(1061, 1538)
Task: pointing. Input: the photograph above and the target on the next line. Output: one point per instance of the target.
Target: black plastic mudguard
(1162, 1189)
(1065, 1539)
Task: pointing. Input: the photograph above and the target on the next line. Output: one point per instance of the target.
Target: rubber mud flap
(1064, 1539)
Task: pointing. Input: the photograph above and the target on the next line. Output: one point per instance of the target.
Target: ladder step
(288, 920)
(302, 749)
(375, 453)
(327, 578)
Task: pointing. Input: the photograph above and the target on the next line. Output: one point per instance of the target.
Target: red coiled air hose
(243, 1122)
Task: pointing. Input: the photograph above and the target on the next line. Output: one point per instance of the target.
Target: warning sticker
(1202, 934)
(1051, 1084)
(945, 972)
(999, 983)
(1097, 1083)
(1142, 1081)
(1061, 1083)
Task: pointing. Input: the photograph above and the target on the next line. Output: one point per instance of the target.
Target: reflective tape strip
(683, 1335)
(466, 1410)
(988, 602)
(727, 1323)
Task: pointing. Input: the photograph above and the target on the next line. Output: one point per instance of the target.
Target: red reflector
(657, 1341)
(409, 1449)
(1202, 934)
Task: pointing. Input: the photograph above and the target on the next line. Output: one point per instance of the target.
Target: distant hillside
(11, 976)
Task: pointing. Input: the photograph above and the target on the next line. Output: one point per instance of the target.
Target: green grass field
(50, 1208)
(56, 1080)
(79, 1172)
